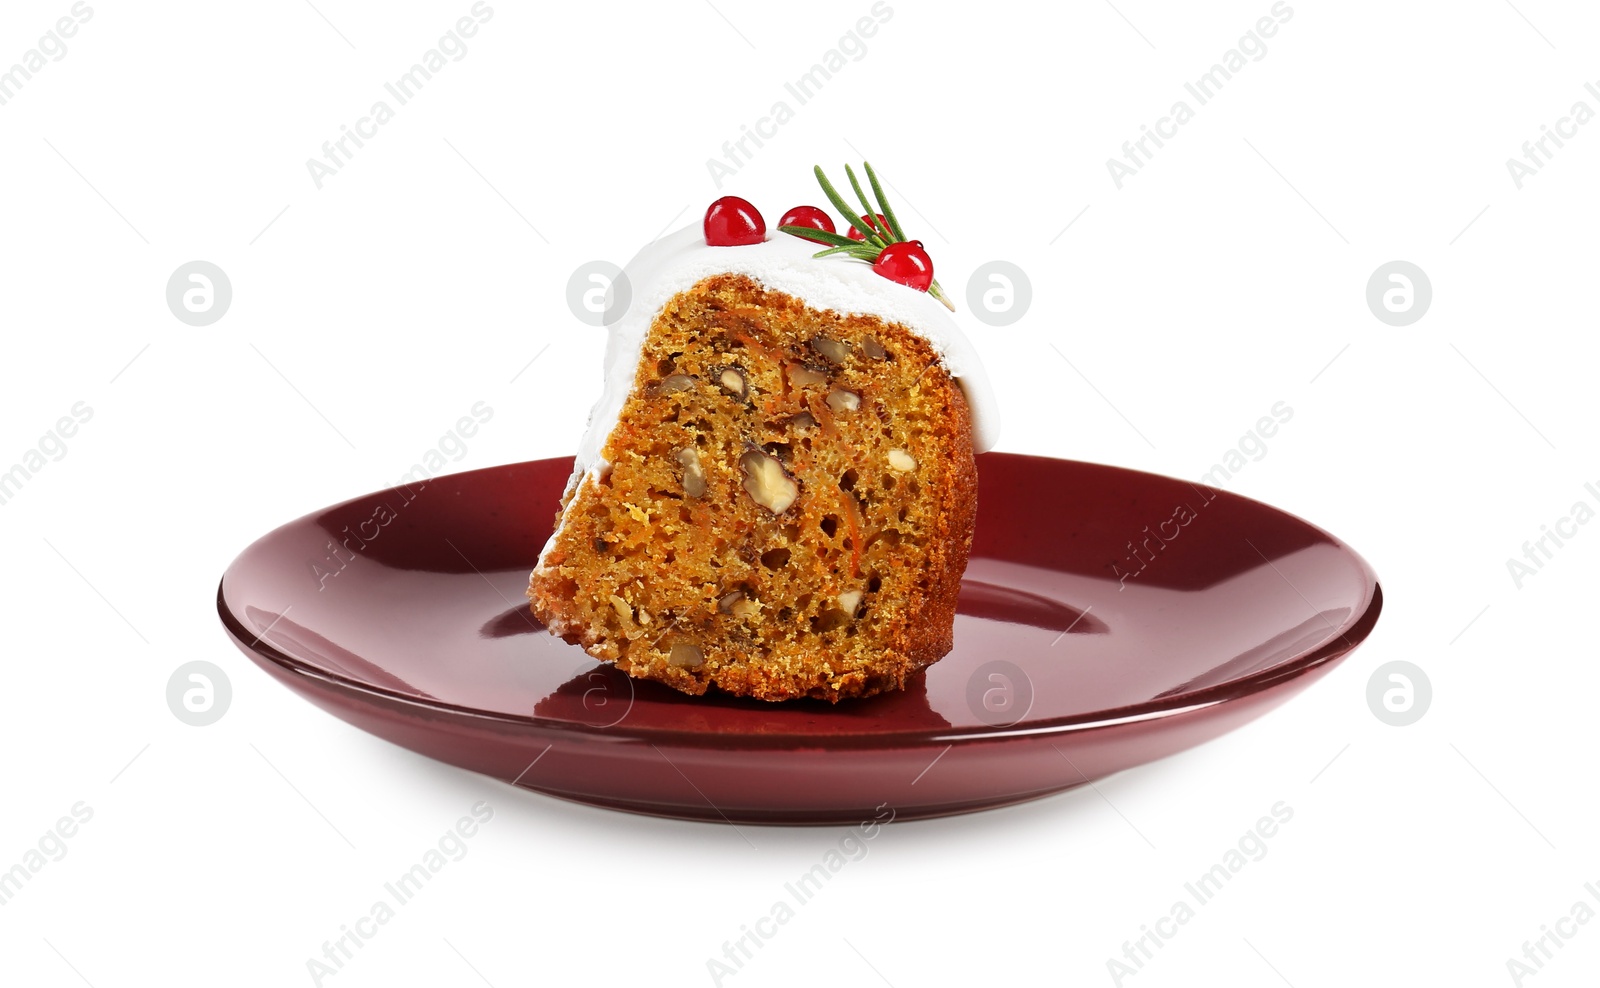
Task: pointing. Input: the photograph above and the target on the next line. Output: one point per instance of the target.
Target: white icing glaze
(782, 263)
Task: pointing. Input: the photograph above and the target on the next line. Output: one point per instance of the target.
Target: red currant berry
(733, 222)
(883, 224)
(906, 263)
(808, 216)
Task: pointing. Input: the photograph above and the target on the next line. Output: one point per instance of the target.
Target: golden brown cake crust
(788, 510)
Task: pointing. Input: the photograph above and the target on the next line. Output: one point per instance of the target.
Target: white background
(368, 316)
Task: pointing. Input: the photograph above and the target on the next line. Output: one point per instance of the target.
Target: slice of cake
(776, 492)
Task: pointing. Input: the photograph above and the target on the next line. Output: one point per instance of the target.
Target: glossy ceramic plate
(1107, 618)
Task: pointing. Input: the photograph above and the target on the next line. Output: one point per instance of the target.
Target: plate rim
(1350, 634)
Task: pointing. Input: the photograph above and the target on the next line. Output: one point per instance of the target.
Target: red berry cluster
(734, 222)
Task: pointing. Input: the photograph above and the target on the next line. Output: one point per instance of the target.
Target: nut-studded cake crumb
(788, 510)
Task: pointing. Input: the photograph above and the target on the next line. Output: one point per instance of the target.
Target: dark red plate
(1108, 618)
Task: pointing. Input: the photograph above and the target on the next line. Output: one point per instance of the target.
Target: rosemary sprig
(877, 232)
(821, 236)
(839, 245)
(877, 227)
(868, 254)
(849, 214)
(877, 224)
(883, 203)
